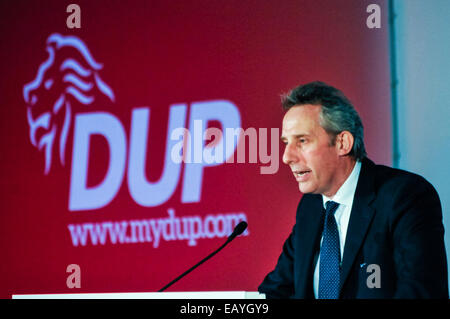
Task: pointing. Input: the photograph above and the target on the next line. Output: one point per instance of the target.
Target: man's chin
(305, 188)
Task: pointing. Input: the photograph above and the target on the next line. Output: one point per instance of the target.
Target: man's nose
(290, 154)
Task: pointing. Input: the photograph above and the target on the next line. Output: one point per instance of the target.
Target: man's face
(309, 153)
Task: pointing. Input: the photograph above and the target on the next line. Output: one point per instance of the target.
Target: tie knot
(331, 207)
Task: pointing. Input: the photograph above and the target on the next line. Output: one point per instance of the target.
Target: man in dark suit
(362, 230)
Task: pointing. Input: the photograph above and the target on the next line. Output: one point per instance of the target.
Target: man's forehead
(301, 118)
(297, 131)
(304, 110)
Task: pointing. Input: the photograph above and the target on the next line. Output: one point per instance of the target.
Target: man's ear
(344, 143)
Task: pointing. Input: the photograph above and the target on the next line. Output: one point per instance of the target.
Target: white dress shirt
(344, 197)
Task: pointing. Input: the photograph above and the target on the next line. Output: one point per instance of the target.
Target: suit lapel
(310, 230)
(360, 217)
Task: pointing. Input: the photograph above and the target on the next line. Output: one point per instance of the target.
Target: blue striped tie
(330, 256)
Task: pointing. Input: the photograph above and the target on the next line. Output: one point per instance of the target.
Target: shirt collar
(346, 192)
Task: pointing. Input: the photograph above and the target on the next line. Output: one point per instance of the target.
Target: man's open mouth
(301, 175)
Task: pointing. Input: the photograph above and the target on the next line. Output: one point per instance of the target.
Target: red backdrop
(156, 54)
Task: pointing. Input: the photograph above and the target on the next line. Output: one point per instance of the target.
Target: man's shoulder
(389, 181)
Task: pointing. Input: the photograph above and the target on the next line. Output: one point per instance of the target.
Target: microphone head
(239, 229)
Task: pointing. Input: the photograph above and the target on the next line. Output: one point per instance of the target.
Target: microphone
(239, 229)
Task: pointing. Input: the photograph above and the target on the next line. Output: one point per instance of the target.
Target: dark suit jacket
(395, 222)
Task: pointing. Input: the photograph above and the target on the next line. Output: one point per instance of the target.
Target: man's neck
(341, 176)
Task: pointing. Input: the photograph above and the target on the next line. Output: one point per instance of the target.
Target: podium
(149, 295)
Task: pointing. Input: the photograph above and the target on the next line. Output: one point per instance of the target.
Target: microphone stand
(232, 236)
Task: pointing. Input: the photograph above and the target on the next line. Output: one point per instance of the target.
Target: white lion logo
(58, 83)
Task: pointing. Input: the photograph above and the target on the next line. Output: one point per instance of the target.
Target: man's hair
(337, 113)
